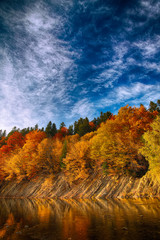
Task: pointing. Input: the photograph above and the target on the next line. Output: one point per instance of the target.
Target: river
(25, 219)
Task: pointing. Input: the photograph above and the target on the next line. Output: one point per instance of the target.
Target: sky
(65, 59)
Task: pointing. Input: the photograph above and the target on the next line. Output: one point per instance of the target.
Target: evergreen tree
(154, 106)
(70, 130)
(36, 127)
(54, 129)
(62, 125)
(2, 133)
(48, 129)
(51, 129)
(14, 129)
(103, 118)
(84, 127)
(75, 127)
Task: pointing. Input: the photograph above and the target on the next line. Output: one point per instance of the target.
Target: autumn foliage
(126, 143)
(115, 147)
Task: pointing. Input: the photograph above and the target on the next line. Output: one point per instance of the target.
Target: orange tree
(22, 162)
(14, 142)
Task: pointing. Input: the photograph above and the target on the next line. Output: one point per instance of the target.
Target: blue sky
(65, 59)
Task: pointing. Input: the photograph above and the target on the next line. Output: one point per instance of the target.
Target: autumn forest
(125, 144)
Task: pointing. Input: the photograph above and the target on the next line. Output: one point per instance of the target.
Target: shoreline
(94, 187)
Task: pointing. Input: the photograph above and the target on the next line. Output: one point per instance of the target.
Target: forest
(124, 144)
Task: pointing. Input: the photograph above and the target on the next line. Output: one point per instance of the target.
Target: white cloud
(132, 94)
(150, 8)
(82, 108)
(133, 91)
(112, 70)
(33, 83)
(149, 47)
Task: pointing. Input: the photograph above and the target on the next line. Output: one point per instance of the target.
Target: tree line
(125, 144)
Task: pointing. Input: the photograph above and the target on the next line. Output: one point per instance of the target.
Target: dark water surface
(79, 220)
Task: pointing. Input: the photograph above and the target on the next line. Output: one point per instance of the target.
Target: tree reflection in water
(79, 219)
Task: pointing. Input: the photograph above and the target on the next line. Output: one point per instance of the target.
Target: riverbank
(93, 187)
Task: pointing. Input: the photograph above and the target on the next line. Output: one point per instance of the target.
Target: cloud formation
(33, 68)
(61, 60)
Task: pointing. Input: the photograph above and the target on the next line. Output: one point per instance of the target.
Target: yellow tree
(15, 166)
(151, 148)
(77, 161)
(88, 136)
(48, 155)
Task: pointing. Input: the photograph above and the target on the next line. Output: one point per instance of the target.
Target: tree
(92, 126)
(15, 140)
(84, 127)
(88, 136)
(115, 147)
(64, 153)
(2, 133)
(48, 156)
(63, 131)
(54, 129)
(51, 129)
(48, 129)
(151, 148)
(14, 129)
(77, 161)
(154, 106)
(103, 118)
(36, 127)
(62, 125)
(2, 141)
(75, 127)
(71, 140)
(13, 144)
(24, 131)
(22, 162)
(70, 130)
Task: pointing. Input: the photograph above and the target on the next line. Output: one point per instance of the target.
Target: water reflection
(79, 219)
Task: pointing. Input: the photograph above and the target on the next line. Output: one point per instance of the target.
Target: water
(23, 219)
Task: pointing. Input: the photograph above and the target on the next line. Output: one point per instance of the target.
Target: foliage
(2, 141)
(117, 141)
(51, 129)
(103, 118)
(62, 125)
(21, 162)
(64, 153)
(14, 141)
(110, 143)
(92, 126)
(70, 130)
(82, 126)
(154, 106)
(48, 156)
(64, 131)
(77, 161)
(151, 148)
